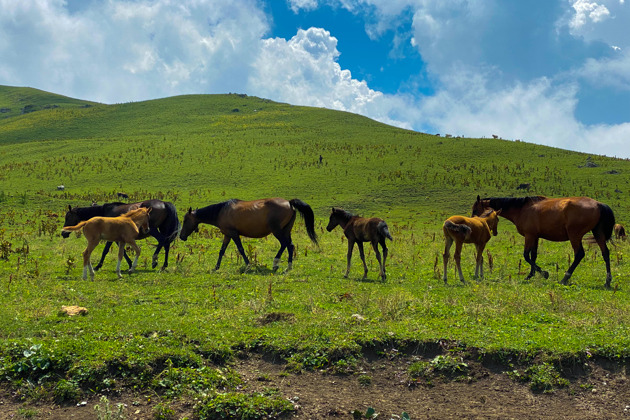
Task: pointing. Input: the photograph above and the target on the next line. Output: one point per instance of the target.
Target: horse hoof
(98, 267)
(545, 274)
(154, 264)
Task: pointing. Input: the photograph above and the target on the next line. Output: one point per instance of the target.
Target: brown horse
(123, 230)
(469, 230)
(359, 230)
(620, 232)
(253, 219)
(556, 219)
(163, 223)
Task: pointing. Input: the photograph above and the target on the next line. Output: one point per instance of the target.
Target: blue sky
(554, 72)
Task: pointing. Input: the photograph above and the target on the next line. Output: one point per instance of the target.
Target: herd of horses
(535, 217)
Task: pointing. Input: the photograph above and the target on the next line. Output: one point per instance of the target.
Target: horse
(122, 229)
(558, 220)
(358, 230)
(469, 230)
(620, 232)
(164, 224)
(252, 219)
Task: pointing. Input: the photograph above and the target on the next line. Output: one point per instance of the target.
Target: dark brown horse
(469, 230)
(620, 232)
(252, 219)
(163, 224)
(358, 230)
(123, 229)
(556, 219)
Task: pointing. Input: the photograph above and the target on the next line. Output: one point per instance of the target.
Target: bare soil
(601, 391)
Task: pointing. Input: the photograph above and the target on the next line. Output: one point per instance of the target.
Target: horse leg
(290, 249)
(226, 242)
(448, 241)
(578, 254)
(530, 254)
(349, 256)
(381, 270)
(167, 247)
(136, 248)
(87, 265)
(239, 246)
(108, 245)
(121, 252)
(283, 245)
(162, 243)
(385, 251)
(362, 255)
(479, 265)
(458, 258)
(606, 256)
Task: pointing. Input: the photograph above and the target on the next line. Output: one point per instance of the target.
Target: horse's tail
(75, 227)
(384, 230)
(309, 217)
(606, 222)
(460, 229)
(171, 230)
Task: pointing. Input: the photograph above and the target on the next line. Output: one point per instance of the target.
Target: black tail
(171, 228)
(308, 215)
(460, 229)
(384, 230)
(606, 222)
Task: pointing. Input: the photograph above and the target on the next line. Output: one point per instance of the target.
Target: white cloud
(304, 71)
(119, 51)
(587, 10)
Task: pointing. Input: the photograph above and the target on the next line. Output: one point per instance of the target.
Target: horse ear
(478, 198)
(189, 209)
(498, 212)
(69, 207)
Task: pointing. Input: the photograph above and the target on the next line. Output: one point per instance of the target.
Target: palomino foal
(470, 230)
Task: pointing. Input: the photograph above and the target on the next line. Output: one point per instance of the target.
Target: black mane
(344, 214)
(212, 211)
(507, 203)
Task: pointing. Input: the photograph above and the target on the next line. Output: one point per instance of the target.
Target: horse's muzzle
(65, 234)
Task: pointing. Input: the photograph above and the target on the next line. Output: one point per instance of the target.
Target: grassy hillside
(203, 149)
(19, 101)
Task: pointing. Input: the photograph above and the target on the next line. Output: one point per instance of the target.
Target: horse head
(337, 217)
(492, 219)
(479, 207)
(190, 225)
(72, 219)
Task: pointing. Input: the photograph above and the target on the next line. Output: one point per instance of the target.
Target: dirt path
(384, 386)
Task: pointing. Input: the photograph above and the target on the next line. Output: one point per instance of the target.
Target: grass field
(176, 331)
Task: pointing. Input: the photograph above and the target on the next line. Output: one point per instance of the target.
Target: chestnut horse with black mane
(469, 230)
(123, 230)
(163, 224)
(358, 230)
(555, 219)
(252, 219)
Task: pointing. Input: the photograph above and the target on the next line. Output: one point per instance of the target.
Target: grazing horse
(122, 229)
(252, 219)
(620, 232)
(163, 224)
(469, 230)
(555, 219)
(359, 230)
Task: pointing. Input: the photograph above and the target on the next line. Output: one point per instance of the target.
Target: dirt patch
(384, 385)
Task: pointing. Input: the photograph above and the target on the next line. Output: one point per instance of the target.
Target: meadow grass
(198, 150)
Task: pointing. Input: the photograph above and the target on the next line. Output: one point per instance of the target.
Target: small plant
(66, 391)
(242, 406)
(162, 411)
(448, 365)
(27, 413)
(105, 412)
(365, 380)
(370, 413)
(544, 378)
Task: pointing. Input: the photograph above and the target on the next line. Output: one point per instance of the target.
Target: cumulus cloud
(121, 51)
(587, 10)
(304, 71)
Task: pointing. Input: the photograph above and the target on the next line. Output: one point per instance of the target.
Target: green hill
(203, 148)
(16, 101)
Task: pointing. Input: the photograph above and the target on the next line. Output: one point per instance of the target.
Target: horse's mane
(212, 211)
(85, 213)
(344, 214)
(512, 202)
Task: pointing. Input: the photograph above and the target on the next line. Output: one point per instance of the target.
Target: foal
(359, 230)
(122, 230)
(470, 230)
